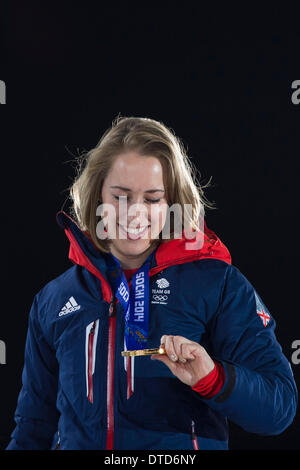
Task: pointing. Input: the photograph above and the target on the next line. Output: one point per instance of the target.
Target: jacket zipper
(90, 362)
(110, 375)
(194, 436)
(91, 343)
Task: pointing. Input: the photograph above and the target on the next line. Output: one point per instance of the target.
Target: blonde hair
(147, 137)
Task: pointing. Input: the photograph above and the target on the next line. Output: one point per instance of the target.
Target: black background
(220, 78)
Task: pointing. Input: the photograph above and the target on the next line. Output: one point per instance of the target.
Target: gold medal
(144, 352)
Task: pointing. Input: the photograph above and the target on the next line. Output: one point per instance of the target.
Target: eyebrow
(147, 191)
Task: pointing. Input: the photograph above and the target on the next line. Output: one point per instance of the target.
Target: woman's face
(144, 207)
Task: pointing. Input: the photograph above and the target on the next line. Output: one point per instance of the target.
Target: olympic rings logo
(160, 297)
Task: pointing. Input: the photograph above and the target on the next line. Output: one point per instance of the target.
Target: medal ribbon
(135, 302)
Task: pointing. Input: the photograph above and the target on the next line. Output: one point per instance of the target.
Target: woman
(131, 289)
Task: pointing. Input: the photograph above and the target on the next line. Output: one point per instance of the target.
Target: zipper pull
(193, 430)
(194, 436)
(92, 330)
(111, 307)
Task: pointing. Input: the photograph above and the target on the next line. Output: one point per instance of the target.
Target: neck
(132, 261)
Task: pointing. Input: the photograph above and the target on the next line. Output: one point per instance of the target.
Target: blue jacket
(74, 392)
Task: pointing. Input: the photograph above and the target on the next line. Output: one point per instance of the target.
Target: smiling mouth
(134, 230)
(134, 234)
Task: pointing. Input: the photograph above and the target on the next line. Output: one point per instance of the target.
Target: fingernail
(173, 357)
(182, 360)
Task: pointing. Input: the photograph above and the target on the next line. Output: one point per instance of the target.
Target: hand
(187, 360)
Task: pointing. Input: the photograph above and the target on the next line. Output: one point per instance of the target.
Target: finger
(162, 339)
(188, 350)
(178, 342)
(182, 347)
(169, 347)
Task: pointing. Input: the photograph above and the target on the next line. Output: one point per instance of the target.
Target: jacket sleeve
(259, 393)
(36, 415)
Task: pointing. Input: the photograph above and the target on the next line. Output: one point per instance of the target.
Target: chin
(133, 247)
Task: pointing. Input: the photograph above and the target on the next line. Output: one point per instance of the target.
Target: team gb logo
(162, 283)
(161, 295)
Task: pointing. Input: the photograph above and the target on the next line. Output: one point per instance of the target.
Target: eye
(120, 197)
(151, 201)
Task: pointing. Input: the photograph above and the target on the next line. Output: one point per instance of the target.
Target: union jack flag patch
(262, 311)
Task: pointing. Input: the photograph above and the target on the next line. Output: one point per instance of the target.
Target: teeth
(133, 230)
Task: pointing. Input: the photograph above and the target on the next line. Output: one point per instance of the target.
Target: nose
(136, 215)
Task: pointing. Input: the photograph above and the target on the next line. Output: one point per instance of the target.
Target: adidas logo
(71, 306)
